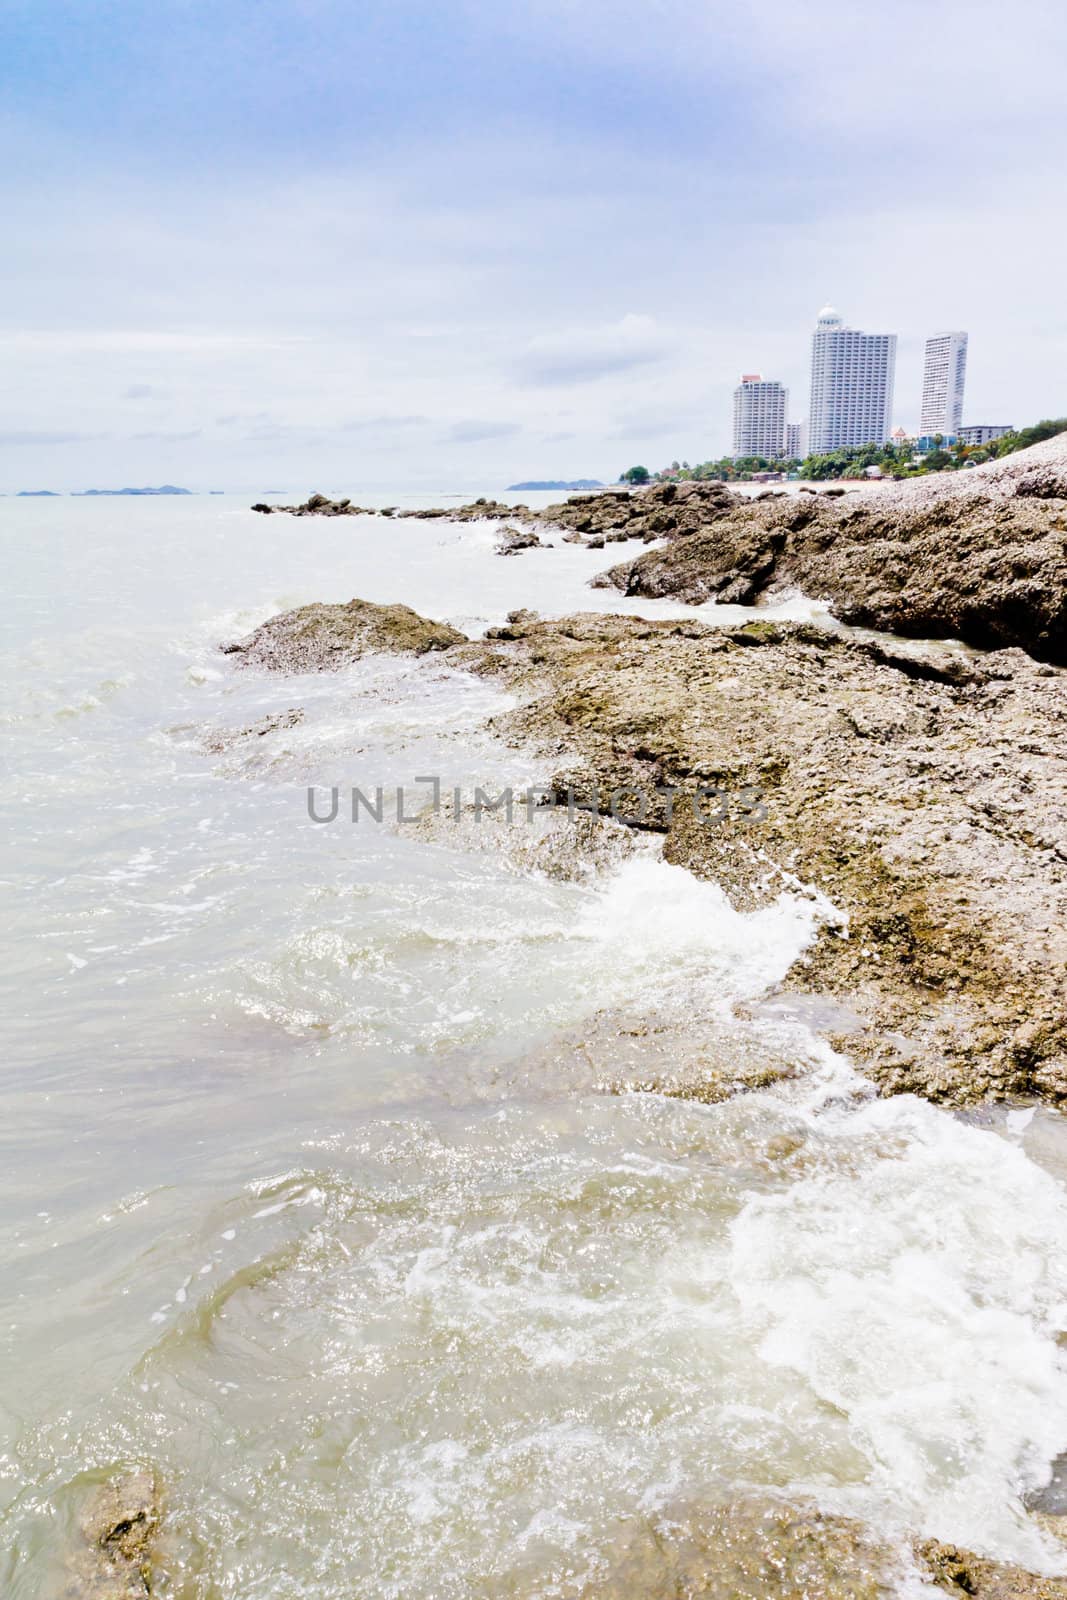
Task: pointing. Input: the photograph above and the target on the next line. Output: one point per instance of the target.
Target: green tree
(635, 475)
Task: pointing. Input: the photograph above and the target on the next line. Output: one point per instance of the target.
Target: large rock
(324, 638)
(762, 1546)
(118, 1525)
(977, 555)
(921, 788)
(756, 1548)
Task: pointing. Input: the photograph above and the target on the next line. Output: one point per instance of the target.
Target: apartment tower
(944, 372)
(851, 385)
(759, 417)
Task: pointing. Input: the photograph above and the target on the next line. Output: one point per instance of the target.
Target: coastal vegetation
(893, 460)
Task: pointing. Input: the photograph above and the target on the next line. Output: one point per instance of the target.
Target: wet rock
(959, 1572)
(511, 540)
(481, 510)
(219, 740)
(757, 1548)
(324, 638)
(920, 788)
(119, 1526)
(1051, 1498)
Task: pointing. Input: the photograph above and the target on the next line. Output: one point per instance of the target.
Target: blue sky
(300, 243)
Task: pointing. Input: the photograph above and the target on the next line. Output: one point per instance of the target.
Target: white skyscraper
(759, 417)
(851, 385)
(943, 377)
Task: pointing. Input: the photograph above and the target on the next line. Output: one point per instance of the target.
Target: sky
(285, 245)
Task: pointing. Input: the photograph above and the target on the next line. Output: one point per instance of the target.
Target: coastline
(904, 798)
(920, 785)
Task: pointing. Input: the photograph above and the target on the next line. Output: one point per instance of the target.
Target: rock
(755, 1548)
(959, 1572)
(318, 505)
(481, 510)
(219, 740)
(979, 556)
(511, 540)
(119, 1526)
(761, 1546)
(922, 789)
(324, 638)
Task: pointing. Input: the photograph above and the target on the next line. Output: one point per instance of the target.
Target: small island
(558, 483)
(166, 488)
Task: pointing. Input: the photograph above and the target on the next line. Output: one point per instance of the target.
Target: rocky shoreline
(913, 780)
(979, 556)
(922, 790)
(921, 787)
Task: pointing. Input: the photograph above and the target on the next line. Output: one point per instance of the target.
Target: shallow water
(311, 1199)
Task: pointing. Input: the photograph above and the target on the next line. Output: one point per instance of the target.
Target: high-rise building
(944, 372)
(983, 432)
(851, 385)
(796, 440)
(759, 417)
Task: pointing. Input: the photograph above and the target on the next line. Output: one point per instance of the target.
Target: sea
(316, 1200)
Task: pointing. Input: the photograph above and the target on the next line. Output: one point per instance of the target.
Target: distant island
(37, 494)
(557, 483)
(165, 488)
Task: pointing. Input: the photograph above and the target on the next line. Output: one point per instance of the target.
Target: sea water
(312, 1199)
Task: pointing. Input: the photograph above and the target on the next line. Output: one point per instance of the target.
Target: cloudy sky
(294, 244)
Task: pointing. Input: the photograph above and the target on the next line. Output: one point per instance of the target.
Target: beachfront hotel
(944, 374)
(759, 417)
(851, 385)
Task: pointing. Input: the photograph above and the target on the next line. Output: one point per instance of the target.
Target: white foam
(919, 1286)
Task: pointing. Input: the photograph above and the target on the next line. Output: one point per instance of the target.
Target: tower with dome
(852, 377)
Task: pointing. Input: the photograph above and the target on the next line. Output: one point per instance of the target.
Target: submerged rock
(324, 638)
(511, 540)
(959, 1572)
(920, 788)
(756, 1548)
(119, 1525)
(220, 740)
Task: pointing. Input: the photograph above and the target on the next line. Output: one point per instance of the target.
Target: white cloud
(472, 431)
(581, 355)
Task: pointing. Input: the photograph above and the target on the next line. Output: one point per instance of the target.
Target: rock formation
(976, 555)
(318, 638)
(510, 541)
(923, 789)
(318, 505)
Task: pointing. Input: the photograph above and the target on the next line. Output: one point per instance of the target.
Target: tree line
(895, 461)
